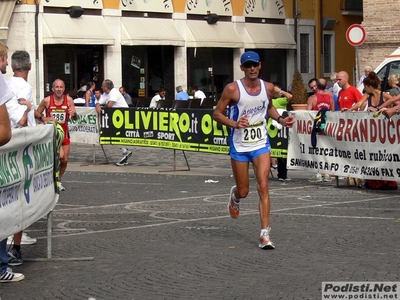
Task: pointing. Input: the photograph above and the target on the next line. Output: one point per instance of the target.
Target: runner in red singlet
(60, 107)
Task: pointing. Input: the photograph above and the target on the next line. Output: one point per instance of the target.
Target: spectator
(373, 97)
(393, 81)
(127, 97)
(198, 94)
(90, 99)
(280, 101)
(367, 70)
(80, 100)
(331, 82)
(181, 94)
(321, 99)
(6, 274)
(60, 107)
(18, 84)
(157, 97)
(113, 98)
(335, 90)
(98, 94)
(348, 95)
(312, 84)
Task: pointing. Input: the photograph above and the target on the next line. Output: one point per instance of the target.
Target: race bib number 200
(253, 134)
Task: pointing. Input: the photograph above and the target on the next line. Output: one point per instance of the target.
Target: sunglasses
(250, 64)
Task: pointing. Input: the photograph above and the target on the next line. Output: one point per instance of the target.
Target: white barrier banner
(352, 144)
(27, 185)
(85, 129)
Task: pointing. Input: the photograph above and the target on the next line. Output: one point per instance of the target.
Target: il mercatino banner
(352, 144)
(85, 129)
(181, 129)
(27, 178)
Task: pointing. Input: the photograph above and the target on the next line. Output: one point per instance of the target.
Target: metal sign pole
(358, 63)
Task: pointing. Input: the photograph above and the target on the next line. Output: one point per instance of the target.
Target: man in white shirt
(80, 100)
(198, 94)
(20, 109)
(113, 98)
(98, 94)
(159, 96)
(6, 95)
(18, 84)
(367, 70)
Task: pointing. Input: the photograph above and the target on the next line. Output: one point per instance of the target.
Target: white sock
(124, 150)
(265, 231)
(234, 198)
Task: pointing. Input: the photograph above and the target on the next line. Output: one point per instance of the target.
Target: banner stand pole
(187, 163)
(105, 155)
(50, 244)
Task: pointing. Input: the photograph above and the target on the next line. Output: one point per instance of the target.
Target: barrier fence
(352, 144)
(28, 188)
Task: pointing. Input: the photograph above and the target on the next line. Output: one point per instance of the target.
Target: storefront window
(76, 65)
(210, 67)
(145, 69)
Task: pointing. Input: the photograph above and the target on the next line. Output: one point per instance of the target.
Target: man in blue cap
(249, 101)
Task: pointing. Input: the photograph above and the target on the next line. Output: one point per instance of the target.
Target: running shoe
(327, 178)
(265, 240)
(14, 257)
(62, 188)
(316, 178)
(127, 154)
(233, 206)
(122, 162)
(26, 240)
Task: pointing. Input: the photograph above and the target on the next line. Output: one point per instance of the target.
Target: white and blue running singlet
(254, 136)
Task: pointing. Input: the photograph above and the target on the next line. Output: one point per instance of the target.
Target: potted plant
(299, 92)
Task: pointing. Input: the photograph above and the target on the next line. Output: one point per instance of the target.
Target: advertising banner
(352, 144)
(180, 129)
(85, 129)
(188, 130)
(27, 182)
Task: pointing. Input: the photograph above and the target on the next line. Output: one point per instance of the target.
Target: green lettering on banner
(218, 149)
(9, 170)
(206, 124)
(128, 125)
(41, 155)
(118, 119)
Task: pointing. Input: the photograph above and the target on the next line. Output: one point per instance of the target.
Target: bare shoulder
(231, 87)
(269, 86)
(45, 102)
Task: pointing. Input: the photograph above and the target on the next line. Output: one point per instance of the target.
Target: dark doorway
(74, 64)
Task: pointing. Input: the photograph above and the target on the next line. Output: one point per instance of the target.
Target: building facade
(143, 45)
(381, 25)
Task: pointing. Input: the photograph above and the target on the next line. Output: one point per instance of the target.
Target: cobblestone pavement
(136, 233)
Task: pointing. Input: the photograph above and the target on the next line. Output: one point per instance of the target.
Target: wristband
(280, 117)
(280, 92)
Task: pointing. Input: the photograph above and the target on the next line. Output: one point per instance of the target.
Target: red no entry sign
(356, 35)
